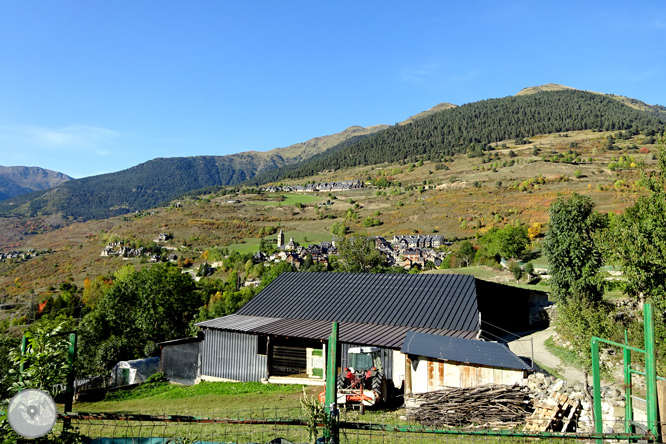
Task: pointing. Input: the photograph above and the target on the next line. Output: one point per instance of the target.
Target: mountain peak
(546, 87)
(439, 107)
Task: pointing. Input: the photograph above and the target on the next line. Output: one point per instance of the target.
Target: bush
(157, 377)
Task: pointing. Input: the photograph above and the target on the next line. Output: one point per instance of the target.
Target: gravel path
(542, 357)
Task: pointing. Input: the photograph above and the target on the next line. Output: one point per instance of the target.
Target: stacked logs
(484, 406)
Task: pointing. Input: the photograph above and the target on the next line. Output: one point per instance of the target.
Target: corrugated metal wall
(232, 355)
(180, 362)
(386, 354)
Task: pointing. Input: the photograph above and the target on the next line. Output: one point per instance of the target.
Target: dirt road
(533, 342)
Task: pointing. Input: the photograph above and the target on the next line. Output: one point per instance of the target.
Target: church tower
(280, 239)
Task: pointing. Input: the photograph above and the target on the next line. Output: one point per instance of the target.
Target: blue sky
(88, 87)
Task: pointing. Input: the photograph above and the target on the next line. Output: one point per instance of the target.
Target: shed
(283, 331)
(135, 371)
(435, 362)
(179, 360)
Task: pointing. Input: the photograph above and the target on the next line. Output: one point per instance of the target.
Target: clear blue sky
(88, 87)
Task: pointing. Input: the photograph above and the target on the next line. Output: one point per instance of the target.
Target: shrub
(157, 377)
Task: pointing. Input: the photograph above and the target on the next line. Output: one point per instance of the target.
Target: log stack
(486, 406)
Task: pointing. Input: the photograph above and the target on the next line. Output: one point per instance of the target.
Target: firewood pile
(486, 406)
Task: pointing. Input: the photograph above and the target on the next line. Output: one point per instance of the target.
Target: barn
(281, 334)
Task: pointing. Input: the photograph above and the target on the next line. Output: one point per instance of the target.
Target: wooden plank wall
(432, 375)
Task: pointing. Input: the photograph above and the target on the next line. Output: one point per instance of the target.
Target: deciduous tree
(573, 253)
(357, 254)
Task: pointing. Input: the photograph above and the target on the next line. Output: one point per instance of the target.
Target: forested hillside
(159, 180)
(472, 127)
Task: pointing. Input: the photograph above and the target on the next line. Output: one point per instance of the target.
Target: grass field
(291, 199)
(202, 399)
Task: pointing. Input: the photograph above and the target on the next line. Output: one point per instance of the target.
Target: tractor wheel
(341, 381)
(379, 384)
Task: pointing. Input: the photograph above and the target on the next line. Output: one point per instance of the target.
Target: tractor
(362, 381)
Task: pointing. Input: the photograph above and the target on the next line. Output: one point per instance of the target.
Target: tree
(45, 362)
(508, 242)
(573, 253)
(466, 252)
(637, 240)
(576, 281)
(7, 344)
(272, 273)
(142, 308)
(357, 254)
(339, 229)
(529, 270)
(308, 262)
(516, 269)
(534, 231)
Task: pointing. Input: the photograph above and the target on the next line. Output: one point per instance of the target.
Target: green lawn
(291, 199)
(201, 399)
(251, 245)
(303, 238)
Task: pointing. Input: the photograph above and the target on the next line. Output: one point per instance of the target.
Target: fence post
(69, 390)
(24, 347)
(628, 404)
(331, 433)
(650, 370)
(596, 387)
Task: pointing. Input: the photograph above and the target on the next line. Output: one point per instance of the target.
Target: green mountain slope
(159, 180)
(16, 180)
(473, 127)
(637, 104)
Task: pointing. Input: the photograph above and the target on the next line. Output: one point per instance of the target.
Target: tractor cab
(364, 359)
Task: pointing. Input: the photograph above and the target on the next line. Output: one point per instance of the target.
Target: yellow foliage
(534, 230)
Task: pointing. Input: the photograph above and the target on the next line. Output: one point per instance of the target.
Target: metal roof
(388, 336)
(237, 322)
(468, 351)
(424, 301)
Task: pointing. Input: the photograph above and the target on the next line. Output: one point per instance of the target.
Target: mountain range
(435, 135)
(15, 180)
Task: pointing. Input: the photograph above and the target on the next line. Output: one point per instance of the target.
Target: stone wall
(542, 388)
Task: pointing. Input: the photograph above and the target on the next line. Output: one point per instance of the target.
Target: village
(403, 251)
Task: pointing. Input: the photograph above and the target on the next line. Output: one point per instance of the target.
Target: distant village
(321, 186)
(402, 251)
(21, 254)
(118, 248)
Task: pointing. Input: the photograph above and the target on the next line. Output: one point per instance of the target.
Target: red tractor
(362, 381)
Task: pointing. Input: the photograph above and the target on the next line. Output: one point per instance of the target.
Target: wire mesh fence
(288, 425)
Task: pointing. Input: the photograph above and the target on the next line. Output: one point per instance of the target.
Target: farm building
(179, 359)
(281, 334)
(436, 362)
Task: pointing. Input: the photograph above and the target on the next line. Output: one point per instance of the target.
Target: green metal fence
(288, 424)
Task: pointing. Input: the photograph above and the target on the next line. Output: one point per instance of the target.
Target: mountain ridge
(435, 134)
(16, 180)
(158, 180)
